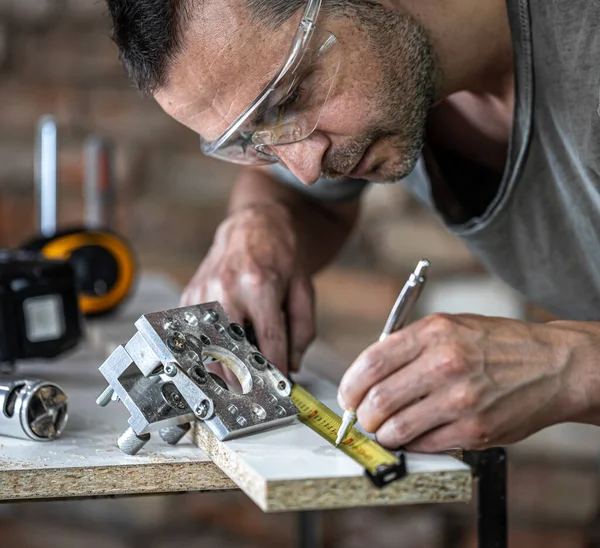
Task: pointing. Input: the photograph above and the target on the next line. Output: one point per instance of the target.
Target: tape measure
(381, 466)
(104, 265)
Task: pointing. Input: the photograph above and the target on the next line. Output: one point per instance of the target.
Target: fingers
(263, 296)
(394, 393)
(445, 419)
(438, 440)
(225, 374)
(255, 297)
(375, 364)
(201, 290)
(192, 293)
(256, 294)
(301, 319)
(270, 327)
(465, 434)
(411, 423)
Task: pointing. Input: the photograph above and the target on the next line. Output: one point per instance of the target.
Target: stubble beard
(408, 88)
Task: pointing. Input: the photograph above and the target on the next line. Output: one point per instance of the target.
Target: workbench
(85, 461)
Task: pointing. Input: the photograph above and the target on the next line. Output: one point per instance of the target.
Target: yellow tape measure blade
(381, 466)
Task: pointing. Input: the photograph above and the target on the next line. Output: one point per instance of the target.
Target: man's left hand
(450, 381)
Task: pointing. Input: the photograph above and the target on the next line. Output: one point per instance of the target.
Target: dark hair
(148, 33)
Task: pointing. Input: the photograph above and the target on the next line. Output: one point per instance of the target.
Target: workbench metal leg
(309, 530)
(489, 468)
(593, 540)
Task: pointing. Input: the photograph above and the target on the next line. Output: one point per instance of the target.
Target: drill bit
(397, 319)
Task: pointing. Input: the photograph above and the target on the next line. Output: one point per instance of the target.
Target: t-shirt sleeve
(324, 190)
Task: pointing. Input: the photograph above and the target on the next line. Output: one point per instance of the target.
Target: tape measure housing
(101, 259)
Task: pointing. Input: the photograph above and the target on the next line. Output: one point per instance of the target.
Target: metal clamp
(160, 375)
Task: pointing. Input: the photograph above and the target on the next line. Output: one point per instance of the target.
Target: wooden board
(292, 468)
(86, 462)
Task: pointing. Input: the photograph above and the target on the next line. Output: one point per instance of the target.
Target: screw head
(171, 323)
(172, 396)
(202, 409)
(198, 374)
(190, 319)
(176, 343)
(170, 370)
(259, 412)
(210, 316)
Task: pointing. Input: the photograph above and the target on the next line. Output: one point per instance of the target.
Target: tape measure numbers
(381, 466)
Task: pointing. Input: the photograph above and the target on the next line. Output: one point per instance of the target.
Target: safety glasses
(289, 107)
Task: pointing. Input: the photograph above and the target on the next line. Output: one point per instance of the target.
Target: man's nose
(304, 158)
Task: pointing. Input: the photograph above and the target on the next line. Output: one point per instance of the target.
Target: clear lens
(289, 113)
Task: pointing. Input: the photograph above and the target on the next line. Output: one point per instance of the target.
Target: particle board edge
(273, 495)
(20, 484)
(247, 479)
(338, 493)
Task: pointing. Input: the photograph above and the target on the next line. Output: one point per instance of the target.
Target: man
(486, 111)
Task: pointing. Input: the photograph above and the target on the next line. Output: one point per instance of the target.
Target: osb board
(292, 468)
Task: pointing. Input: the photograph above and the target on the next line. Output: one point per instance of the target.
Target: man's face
(372, 124)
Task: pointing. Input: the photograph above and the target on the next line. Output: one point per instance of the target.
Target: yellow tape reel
(63, 247)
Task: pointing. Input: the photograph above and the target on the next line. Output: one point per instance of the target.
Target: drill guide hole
(259, 361)
(229, 368)
(236, 331)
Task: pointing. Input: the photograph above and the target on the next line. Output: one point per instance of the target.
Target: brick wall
(56, 57)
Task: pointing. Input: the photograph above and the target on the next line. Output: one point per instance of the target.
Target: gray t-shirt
(541, 231)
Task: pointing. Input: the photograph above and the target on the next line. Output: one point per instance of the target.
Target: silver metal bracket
(160, 375)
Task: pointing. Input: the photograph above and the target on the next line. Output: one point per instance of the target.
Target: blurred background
(56, 58)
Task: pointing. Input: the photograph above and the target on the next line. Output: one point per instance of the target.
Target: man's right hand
(253, 269)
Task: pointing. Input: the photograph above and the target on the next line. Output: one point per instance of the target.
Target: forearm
(580, 354)
(321, 230)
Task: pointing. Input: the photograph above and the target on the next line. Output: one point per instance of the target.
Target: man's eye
(293, 97)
